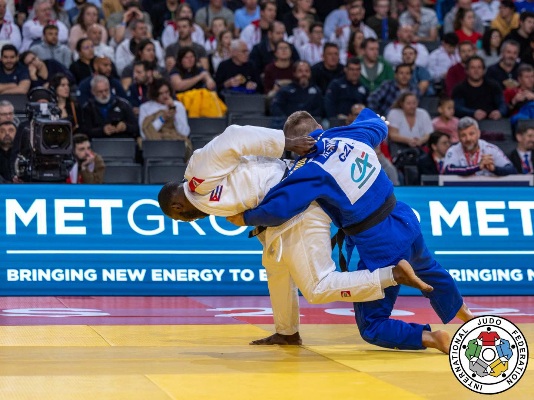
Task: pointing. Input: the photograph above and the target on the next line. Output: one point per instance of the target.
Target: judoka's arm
(290, 197)
(222, 154)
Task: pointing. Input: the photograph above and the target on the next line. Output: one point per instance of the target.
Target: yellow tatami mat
(194, 362)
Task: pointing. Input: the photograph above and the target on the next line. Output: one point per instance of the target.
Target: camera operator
(89, 167)
(106, 115)
(8, 130)
(21, 143)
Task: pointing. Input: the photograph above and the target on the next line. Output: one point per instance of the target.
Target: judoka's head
(174, 203)
(300, 123)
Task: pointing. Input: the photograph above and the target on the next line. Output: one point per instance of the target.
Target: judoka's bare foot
(404, 274)
(440, 340)
(278, 338)
(465, 313)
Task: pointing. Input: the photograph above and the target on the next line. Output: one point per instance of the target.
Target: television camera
(46, 150)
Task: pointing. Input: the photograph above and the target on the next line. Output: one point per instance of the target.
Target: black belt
(377, 216)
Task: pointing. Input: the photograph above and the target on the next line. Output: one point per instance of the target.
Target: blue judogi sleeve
(290, 197)
(312, 182)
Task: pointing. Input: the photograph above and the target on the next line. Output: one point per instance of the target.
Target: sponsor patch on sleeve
(194, 183)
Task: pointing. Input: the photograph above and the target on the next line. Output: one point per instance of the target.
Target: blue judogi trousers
(372, 317)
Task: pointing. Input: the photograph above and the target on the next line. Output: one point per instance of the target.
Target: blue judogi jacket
(344, 176)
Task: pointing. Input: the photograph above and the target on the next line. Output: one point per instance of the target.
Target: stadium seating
(123, 173)
(162, 153)
(430, 104)
(19, 102)
(245, 104)
(163, 150)
(209, 126)
(115, 151)
(160, 174)
(499, 126)
(259, 120)
(525, 122)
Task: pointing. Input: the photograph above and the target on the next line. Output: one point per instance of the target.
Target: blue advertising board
(114, 240)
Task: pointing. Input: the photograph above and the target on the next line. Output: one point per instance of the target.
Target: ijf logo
(488, 354)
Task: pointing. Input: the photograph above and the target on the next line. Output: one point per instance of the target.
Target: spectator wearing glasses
(42, 71)
(238, 74)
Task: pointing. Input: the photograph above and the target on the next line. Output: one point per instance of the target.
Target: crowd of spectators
(116, 66)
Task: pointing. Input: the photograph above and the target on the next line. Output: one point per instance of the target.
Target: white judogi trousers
(300, 257)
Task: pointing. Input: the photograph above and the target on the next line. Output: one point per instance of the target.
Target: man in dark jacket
(106, 115)
(301, 94)
(342, 93)
(238, 74)
(329, 69)
(523, 156)
(262, 54)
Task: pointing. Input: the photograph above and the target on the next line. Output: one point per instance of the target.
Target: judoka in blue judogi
(344, 176)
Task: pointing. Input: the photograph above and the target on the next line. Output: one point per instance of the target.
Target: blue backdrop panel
(113, 240)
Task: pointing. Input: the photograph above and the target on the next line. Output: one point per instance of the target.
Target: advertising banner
(114, 240)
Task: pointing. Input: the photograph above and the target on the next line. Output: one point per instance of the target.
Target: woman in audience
(279, 73)
(354, 48)
(69, 108)
(188, 75)
(88, 16)
(301, 10)
(162, 118)
(409, 126)
(145, 51)
(224, 40)
(83, 66)
(216, 27)
(59, 13)
(464, 26)
(491, 47)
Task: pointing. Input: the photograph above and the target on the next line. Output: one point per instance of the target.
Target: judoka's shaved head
(174, 203)
(300, 123)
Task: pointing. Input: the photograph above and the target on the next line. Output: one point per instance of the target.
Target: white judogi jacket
(241, 181)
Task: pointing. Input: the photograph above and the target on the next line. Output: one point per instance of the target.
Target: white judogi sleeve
(222, 155)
